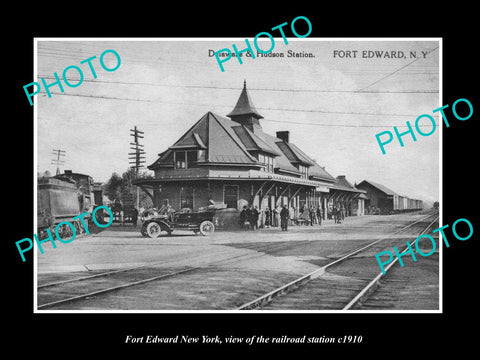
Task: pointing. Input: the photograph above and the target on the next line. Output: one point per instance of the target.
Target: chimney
(68, 172)
(284, 135)
(341, 177)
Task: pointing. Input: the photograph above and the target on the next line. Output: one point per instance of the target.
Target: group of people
(338, 214)
(252, 218)
(122, 213)
(250, 215)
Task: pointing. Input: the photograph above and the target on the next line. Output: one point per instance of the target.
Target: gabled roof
(224, 145)
(245, 105)
(195, 137)
(193, 140)
(226, 141)
(341, 180)
(281, 161)
(213, 133)
(380, 187)
(253, 142)
(318, 172)
(294, 154)
(341, 183)
(165, 159)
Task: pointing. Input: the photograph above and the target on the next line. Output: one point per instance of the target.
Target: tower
(244, 111)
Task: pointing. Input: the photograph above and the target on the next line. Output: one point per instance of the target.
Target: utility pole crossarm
(58, 161)
(136, 158)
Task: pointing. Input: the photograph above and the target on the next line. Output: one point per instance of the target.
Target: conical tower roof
(245, 105)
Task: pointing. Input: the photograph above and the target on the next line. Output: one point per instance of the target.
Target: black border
(93, 333)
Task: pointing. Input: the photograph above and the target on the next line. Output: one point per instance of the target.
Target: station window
(267, 161)
(180, 161)
(304, 170)
(191, 159)
(186, 159)
(230, 196)
(270, 163)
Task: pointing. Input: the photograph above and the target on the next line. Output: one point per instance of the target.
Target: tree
(114, 186)
(118, 185)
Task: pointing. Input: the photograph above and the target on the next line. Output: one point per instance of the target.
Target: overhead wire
(53, 52)
(397, 70)
(423, 91)
(273, 120)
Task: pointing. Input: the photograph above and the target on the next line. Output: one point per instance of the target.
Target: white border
(35, 283)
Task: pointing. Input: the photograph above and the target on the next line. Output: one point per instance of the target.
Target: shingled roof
(253, 142)
(318, 172)
(245, 105)
(226, 141)
(215, 133)
(341, 183)
(380, 187)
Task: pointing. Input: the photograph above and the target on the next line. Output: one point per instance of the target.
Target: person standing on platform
(254, 220)
(249, 217)
(284, 216)
(268, 216)
(291, 212)
(274, 217)
(319, 215)
(261, 218)
(279, 210)
(312, 215)
(243, 217)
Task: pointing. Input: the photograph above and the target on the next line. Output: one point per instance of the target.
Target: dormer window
(304, 170)
(267, 160)
(185, 159)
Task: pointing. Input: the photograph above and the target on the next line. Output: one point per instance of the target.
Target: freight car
(405, 204)
(387, 201)
(60, 200)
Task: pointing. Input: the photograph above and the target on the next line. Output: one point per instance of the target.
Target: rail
(266, 298)
(372, 284)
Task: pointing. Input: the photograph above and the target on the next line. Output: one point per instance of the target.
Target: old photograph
(191, 175)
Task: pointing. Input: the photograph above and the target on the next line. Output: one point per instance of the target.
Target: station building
(231, 160)
(380, 198)
(348, 196)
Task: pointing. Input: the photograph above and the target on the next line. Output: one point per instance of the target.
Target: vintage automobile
(201, 222)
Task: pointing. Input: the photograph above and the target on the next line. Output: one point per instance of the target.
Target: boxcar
(60, 201)
(57, 201)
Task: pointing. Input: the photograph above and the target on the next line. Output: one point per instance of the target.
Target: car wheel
(206, 228)
(153, 230)
(143, 230)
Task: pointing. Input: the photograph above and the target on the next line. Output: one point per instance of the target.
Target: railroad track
(338, 292)
(50, 295)
(56, 294)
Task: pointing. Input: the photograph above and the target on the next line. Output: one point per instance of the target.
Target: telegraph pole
(58, 161)
(137, 158)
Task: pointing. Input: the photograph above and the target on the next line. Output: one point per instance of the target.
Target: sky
(333, 105)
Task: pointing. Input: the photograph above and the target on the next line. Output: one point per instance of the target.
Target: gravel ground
(266, 259)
